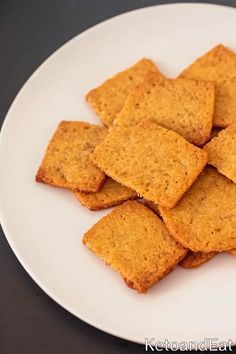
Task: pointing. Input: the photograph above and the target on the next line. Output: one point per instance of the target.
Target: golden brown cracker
(108, 99)
(135, 242)
(112, 193)
(205, 218)
(66, 162)
(196, 259)
(222, 152)
(157, 163)
(219, 66)
(185, 106)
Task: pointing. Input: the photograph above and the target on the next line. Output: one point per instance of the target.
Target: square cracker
(205, 218)
(196, 259)
(159, 164)
(218, 65)
(108, 99)
(222, 152)
(185, 106)
(136, 243)
(66, 162)
(112, 193)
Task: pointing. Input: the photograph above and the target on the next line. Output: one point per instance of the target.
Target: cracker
(222, 152)
(154, 207)
(218, 65)
(66, 162)
(157, 163)
(196, 259)
(205, 218)
(108, 99)
(112, 193)
(135, 242)
(185, 106)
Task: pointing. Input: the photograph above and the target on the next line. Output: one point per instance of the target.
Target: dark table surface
(30, 322)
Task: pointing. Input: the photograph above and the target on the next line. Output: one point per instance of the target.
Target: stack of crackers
(172, 144)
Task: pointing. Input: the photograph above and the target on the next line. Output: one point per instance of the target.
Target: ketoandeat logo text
(211, 344)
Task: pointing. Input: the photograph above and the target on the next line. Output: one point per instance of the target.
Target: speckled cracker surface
(135, 242)
(205, 218)
(108, 99)
(196, 259)
(222, 152)
(185, 106)
(66, 162)
(157, 163)
(218, 65)
(112, 193)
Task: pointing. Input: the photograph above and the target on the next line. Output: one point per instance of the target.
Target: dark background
(30, 322)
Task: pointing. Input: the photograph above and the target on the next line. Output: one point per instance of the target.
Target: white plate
(44, 225)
